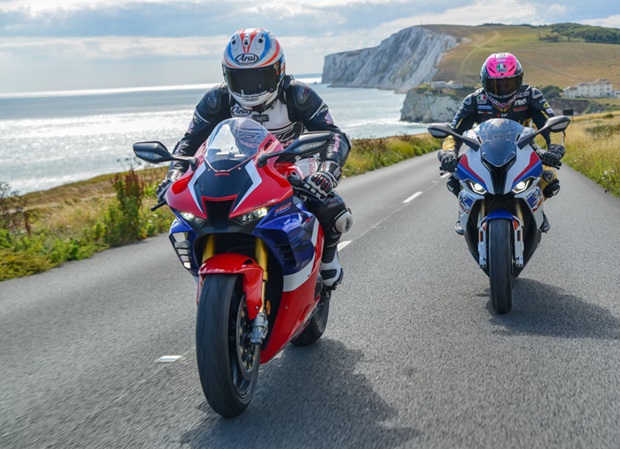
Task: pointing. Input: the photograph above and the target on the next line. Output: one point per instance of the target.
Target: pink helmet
(253, 66)
(501, 76)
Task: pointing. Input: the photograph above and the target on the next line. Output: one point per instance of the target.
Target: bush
(123, 219)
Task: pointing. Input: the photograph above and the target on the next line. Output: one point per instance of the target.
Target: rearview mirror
(156, 153)
(305, 145)
(443, 130)
(153, 152)
(554, 124)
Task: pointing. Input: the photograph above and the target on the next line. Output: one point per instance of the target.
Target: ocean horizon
(53, 138)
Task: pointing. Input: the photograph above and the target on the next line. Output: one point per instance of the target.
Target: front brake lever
(157, 206)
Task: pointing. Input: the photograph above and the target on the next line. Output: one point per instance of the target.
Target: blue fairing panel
(290, 235)
(499, 213)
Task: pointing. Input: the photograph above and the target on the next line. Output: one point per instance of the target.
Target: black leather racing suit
(530, 104)
(297, 108)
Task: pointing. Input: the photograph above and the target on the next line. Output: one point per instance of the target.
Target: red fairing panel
(293, 310)
(274, 188)
(181, 198)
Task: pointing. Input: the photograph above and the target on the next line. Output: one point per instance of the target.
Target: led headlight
(251, 216)
(478, 188)
(191, 218)
(522, 186)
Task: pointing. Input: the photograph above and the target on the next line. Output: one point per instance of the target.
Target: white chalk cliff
(400, 62)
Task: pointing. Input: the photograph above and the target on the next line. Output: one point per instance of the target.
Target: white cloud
(35, 8)
(611, 21)
(115, 47)
(506, 12)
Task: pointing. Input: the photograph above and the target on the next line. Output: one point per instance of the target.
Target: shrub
(123, 218)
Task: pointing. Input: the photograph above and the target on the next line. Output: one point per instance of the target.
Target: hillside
(562, 63)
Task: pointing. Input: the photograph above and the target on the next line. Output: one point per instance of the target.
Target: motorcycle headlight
(522, 186)
(191, 218)
(478, 188)
(251, 216)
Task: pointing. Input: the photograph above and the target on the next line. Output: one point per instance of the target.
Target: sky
(58, 45)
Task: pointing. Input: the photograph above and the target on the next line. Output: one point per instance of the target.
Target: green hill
(559, 55)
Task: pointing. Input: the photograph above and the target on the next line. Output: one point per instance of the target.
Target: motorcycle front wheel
(227, 361)
(500, 264)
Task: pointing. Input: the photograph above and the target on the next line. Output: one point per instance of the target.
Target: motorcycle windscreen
(499, 141)
(233, 142)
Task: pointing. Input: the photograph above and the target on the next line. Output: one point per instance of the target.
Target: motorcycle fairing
(291, 235)
(523, 169)
(469, 168)
(182, 237)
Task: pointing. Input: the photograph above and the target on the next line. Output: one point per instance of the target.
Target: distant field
(545, 63)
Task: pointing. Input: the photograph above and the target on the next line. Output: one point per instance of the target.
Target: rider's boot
(458, 228)
(331, 270)
(545, 226)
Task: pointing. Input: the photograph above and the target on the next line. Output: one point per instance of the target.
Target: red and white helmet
(253, 66)
(501, 76)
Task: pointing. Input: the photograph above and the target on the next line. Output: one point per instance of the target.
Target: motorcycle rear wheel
(317, 323)
(500, 265)
(227, 361)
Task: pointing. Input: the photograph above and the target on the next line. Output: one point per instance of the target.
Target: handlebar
(157, 206)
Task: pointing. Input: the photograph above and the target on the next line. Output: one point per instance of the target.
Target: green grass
(592, 144)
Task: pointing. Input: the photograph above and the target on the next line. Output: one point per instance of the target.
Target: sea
(49, 139)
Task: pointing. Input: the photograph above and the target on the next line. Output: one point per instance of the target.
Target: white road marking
(412, 197)
(168, 359)
(343, 245)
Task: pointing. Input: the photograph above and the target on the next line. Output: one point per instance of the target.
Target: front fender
(232, 263)
(517, 244)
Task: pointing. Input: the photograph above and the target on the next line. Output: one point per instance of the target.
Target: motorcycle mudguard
(232, 263)
(518, 244)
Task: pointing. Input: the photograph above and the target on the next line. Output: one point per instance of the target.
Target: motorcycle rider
(257, 87)
(503, 95)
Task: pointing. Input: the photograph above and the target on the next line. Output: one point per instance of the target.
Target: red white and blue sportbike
(500, 201)
(254, 248)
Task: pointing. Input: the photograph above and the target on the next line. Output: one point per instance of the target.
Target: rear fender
(233, 263)
(518, 245)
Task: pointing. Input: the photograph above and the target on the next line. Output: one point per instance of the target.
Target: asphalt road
(413, 357)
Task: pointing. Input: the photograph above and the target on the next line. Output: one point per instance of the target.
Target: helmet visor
(502, 87)
(248, 82)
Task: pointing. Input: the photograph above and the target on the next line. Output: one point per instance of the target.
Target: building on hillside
(593, 89)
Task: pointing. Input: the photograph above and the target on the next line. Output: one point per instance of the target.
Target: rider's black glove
(319, 184)
(447, 160)
(163, 186)
(552, 156)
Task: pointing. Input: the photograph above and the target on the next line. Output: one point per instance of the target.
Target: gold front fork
(261, 258)
(209, 250)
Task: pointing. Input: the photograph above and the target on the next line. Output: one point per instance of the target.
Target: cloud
(170, 36)
(611, 21)
(115, 47)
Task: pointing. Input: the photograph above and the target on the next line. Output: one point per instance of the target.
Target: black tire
(316, 324)
(500, 264)
(227, 361)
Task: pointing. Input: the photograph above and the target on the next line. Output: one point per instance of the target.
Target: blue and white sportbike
(501, 200)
